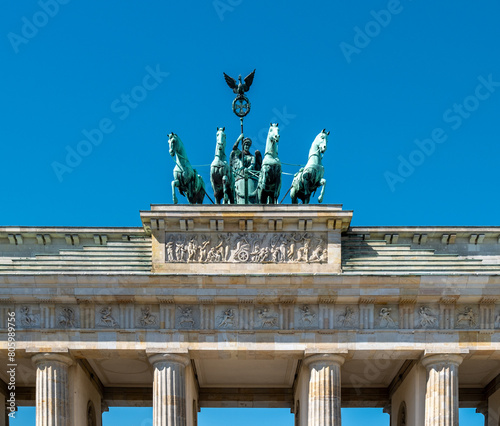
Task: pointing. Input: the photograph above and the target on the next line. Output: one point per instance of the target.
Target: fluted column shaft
(169, 389)
(324, 390)
(441, 395)
(52, 389)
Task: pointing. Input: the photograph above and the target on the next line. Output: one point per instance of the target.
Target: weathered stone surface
(324, 389)
(441, 396)
(169, 389)
(381, 297)
(52, 391)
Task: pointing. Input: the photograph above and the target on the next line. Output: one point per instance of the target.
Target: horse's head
(274, 133)
(321, 141)
(221, 139)
(173, 140)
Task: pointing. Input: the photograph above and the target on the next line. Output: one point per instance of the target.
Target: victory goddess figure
(246, 168)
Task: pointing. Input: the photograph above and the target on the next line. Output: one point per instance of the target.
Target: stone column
(441, 395)
(4, 414)
(52, 390)
(169, 389)
(324, 389)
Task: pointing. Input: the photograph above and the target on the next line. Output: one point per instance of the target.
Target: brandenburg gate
(251, 306)
(250, 303)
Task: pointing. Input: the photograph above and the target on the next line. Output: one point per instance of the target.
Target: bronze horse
(189, 182)
(221, 176)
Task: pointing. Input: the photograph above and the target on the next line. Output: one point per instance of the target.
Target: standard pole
(246, 185)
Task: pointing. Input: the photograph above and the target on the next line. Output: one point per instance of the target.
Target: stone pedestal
(52, 390)
(169, 389)
(324, 390)
(441, 396)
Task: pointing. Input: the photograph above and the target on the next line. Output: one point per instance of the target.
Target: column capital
(315, 359)
(44, 357)
(176, 358)
(443, 358)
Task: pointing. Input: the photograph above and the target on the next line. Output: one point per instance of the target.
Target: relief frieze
(255, 247)
(261, 316)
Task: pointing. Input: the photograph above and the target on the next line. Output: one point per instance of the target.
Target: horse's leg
(175, 183)
(264, 197)
(294, 189)
(305, 184)
(201, 192)
(230, 190)
(261, 194)
(224, 194)
(213, 182)
(322, 182)
(277, 190)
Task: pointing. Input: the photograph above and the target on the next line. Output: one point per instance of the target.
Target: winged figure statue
(239, 87)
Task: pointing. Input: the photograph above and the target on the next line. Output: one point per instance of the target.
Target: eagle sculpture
(239, 87)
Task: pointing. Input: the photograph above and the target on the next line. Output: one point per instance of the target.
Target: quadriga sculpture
(189, 182)
(309, 178)
(221, 177)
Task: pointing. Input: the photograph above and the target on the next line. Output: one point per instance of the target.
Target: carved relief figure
(426, 317)
(242, 251)
(291, 250)
(303, 252)
(267, 319)
(147, 318)
(227, 318)
(278, 247)
(319, 254)
(275, 254)
(468, 316)
(260, 255)
(203, 250)
(307, 315)
(218, 253)
(192, 249)
(27, 318)
(180, 249)
(67, 318)
(347, 319)
(225, 241)
(106, 318)
(256, 252)
(186, 317)
(385, 318)
(169, 250)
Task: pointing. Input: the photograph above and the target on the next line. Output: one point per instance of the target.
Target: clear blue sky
(428, 69)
